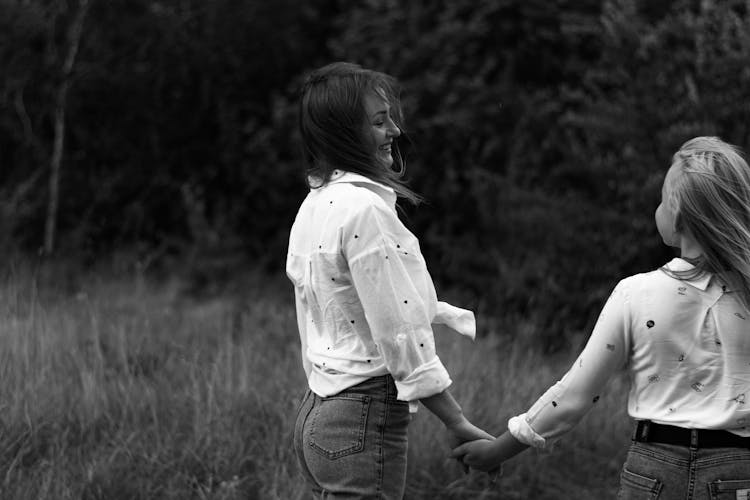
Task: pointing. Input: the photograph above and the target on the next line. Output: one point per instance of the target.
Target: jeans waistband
(647, 431)
(382, 387)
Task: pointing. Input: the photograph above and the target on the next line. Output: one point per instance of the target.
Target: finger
(459, 451)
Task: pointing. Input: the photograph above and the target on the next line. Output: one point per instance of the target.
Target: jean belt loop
(693, 438)
(390, 388)
(643, 429)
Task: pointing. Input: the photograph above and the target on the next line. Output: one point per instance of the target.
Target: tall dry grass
(117, 389)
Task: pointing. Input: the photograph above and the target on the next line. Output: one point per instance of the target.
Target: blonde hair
(710, 195)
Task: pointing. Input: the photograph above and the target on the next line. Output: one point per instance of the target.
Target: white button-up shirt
(686, 346)
(364, 298)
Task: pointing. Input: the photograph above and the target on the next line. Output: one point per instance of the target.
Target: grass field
(120, 389)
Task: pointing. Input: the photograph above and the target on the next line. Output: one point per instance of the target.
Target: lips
(385, 154)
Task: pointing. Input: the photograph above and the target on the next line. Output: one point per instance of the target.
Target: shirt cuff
(427, 380)
(459, 320)
(520, 429)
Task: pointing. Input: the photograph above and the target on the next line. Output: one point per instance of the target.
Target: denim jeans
(354, 444)
(671, 472)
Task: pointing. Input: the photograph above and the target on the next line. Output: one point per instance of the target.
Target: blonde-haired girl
(683, 334)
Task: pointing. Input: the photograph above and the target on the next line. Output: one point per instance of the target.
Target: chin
(387, 161)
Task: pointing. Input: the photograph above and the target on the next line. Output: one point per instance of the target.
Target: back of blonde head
(711, 197)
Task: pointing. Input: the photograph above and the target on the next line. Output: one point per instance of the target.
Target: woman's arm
(445, 407)
(393, 288)
(563, 405)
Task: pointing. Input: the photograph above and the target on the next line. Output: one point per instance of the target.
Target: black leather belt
(651, 432)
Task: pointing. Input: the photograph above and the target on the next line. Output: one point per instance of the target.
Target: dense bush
(537, 131)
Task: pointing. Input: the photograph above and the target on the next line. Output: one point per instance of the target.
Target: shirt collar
(385, 192)
(680, 265)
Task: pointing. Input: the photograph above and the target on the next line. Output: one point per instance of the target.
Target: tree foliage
(538, 131)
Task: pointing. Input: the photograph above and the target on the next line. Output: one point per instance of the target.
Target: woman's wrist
(447, 409)
(457, 420)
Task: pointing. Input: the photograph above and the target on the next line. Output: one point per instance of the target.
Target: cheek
(665, 224)
(378, 135)
(658, 214)
(370, 138)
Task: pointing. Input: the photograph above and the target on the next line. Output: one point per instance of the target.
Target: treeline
(538, 131)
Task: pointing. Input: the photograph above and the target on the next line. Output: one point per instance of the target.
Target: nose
(393, 130)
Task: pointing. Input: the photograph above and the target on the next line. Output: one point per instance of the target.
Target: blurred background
(150, 171)
(538, 131)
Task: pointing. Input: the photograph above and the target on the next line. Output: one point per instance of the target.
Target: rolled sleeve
(520, 429)
(426, 380)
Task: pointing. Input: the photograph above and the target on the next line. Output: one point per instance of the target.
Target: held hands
(464, 431)
(479, 454)
(459, 428)
(489, 455)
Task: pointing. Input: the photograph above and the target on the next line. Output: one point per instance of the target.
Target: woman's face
(665, 216)
(379, 129)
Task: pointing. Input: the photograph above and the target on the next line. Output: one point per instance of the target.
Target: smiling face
(379, 130)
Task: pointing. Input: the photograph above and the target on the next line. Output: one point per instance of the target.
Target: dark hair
(331, 121)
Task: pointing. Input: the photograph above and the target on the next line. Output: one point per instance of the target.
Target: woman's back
(689, 352)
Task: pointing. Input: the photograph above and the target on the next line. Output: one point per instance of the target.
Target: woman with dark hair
(365, 301)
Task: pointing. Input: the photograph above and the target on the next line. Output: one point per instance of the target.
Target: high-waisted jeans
(354, 444)
(671, 472)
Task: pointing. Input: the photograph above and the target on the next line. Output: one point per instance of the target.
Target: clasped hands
(473, 447)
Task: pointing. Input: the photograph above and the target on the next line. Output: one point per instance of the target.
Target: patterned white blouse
(365, 301)
(686, 346)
